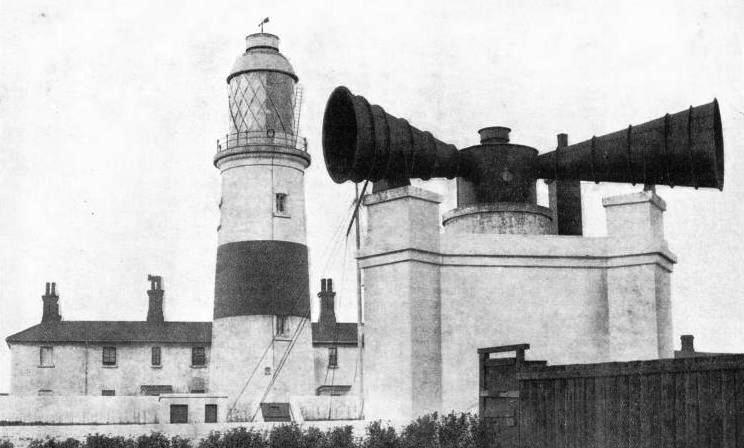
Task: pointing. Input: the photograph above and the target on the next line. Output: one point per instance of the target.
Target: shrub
(242, 438)
(314, 438)
(422, 433)
(104, 441)
(179, 442)
(380, 437)
(6, 444)
(286, 436)
(152, 440)
(53, 443)
(341, 437)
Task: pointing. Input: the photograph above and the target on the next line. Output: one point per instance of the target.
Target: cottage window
(210, 413)
(108, 392)
(198, 356)
(109, 356)
(46, 357)
(332, 357)
(179, 413)
(155, 356)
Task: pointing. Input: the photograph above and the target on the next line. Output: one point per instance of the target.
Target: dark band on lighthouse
(261, 278)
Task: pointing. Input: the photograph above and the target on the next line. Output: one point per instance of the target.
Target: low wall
(326, 407)
(79, 409)
(21, 436)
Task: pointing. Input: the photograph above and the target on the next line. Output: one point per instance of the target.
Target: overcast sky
(109, 113)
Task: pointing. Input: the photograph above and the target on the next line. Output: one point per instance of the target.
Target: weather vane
(266, 20)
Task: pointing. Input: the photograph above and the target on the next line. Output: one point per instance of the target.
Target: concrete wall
(21, 436)
(196, 403)
(79, 410)
(79, 370)
(346, 372)
(432, 300)
(316, 408)
(402, 374)
(242, 344)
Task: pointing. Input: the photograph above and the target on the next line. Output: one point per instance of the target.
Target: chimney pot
(327, 306)
(155, 299)
(50, 307)
(688, 343)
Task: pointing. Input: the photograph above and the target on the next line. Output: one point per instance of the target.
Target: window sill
(110, 367)
(282, 337)
(156, 367)
(333, 367)
(44, 367)
(282, 215)
(203, 366)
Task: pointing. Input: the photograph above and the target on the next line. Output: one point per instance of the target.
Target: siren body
(362, 142)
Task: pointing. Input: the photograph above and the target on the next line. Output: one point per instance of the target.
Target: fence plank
(728, 395)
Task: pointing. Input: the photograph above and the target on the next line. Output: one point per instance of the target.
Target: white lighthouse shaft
(262, 302)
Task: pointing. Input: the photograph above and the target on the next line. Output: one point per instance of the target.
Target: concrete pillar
(638, 285)
(402, 304)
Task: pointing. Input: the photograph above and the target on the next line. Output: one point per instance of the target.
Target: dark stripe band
(261, 278)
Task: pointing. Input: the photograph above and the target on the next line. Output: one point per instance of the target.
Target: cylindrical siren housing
(685, 149)
(363, 142)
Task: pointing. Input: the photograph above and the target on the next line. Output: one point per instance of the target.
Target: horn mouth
(339, 135)
(718, 141)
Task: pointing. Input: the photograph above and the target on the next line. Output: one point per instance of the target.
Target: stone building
(150, 357)
(335, 348)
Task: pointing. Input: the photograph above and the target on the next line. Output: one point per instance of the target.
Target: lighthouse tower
(261, 337)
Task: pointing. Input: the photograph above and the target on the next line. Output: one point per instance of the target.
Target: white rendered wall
(574, 299)
(249, 186)
(133, 369)
(346, 373)
(238, 344)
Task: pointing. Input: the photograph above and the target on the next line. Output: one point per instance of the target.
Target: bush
(428, 431)
(53, 443)
(341, 437)
(153, 440)
(379, 437)
(286, 436)
(104, 441)
(6, 444)
(241, 438)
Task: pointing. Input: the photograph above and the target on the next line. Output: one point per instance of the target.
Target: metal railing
(257, 138)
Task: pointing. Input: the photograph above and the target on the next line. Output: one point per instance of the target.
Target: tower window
(155, 357)
(109, 356)
(198, 357)
(332, 357)
(282, 326)
(46, 357)
(280, 202)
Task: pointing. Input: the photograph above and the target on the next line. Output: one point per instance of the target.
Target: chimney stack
(155, 294)
(51, 304)
(687, 343)
(327, 305)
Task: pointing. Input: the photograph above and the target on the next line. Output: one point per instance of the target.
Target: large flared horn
(684, 149)
(363, 142)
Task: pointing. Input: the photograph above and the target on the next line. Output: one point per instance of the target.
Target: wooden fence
(692, 402)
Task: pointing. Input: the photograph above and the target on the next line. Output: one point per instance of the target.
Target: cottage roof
(115, 331)
(334, 333)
